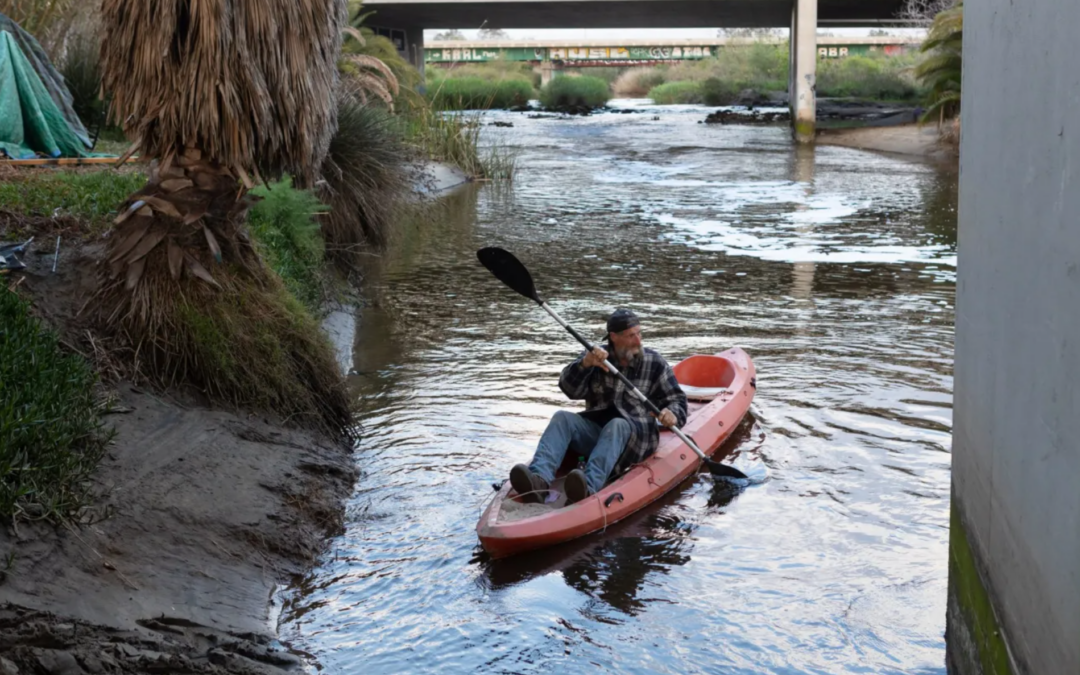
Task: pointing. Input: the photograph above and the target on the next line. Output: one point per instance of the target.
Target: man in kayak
(616, 429)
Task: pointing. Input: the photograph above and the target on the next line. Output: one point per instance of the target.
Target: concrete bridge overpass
(409, 18)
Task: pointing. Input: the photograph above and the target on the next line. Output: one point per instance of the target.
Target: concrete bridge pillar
(547, 72)
(802, 89)
(414, 48)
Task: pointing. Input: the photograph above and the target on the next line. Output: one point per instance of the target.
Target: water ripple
(834, 268)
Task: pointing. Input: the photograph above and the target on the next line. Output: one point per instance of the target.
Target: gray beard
(626, 355)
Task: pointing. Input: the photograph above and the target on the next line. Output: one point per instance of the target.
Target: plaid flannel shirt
(651, 374)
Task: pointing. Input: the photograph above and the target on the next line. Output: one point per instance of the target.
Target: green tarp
(36, 117)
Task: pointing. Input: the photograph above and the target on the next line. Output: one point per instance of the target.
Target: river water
(834, 268)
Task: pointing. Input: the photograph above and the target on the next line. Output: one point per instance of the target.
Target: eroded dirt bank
(202, 513)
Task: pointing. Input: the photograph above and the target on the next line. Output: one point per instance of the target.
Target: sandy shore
(906, 139)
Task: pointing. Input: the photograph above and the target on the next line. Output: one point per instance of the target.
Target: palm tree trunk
(189, 216)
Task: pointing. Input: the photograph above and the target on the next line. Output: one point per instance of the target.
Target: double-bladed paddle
(514, 274)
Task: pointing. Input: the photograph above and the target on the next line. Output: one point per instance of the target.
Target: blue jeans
(602, 446)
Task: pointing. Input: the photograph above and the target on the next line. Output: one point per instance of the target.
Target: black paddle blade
(724, 470)
(508, 270)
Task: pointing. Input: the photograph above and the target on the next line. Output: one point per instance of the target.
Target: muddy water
(834, 268)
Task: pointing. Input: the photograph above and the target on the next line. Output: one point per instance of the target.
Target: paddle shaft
(637, 392)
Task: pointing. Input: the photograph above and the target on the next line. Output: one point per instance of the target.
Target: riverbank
(909, 139)
(200, 514)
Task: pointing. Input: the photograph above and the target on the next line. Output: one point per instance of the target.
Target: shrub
(878, 77)
(283, 223)
(637, 82)
(575, 92)
(82, 74)
(51, 436)
(673, 93)
(366, 174)
(475, 93)
(716, 92)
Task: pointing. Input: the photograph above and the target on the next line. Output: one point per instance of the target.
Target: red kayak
(719, 390)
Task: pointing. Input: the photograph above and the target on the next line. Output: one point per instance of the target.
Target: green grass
(673, 93)
(257, 347)
(577, 92)
(499, 162)
(93, 197)
(712, 91)
(475, 93)
(493, 71)
(453, 138)
(284, 223)
(51, 435)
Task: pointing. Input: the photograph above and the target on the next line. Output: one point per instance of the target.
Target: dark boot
(533, 488)
(577, 488)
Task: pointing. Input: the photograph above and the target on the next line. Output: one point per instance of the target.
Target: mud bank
(201, 515)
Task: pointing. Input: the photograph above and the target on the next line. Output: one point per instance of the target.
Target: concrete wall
(1015, 546)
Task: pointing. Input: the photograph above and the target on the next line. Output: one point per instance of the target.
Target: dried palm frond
(251, 83)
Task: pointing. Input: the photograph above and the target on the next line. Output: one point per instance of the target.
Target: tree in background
(941, 68)
(452, 34)
(756, 34)
(922, 12)
(49, 21)
(492, 34)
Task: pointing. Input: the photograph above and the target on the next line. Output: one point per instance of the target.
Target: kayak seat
(703, 378)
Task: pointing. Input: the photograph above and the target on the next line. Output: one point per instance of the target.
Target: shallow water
(833, 268)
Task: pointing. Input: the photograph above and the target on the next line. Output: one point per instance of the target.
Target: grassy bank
(51, 435)
(763, 68)
(575, 92)
(474, 93)
(92, 197)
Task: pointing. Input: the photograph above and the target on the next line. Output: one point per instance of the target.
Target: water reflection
(833, 268)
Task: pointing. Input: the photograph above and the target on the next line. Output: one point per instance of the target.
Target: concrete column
(547, 72)
(414, 47)
(793, 39)
(804, 52)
